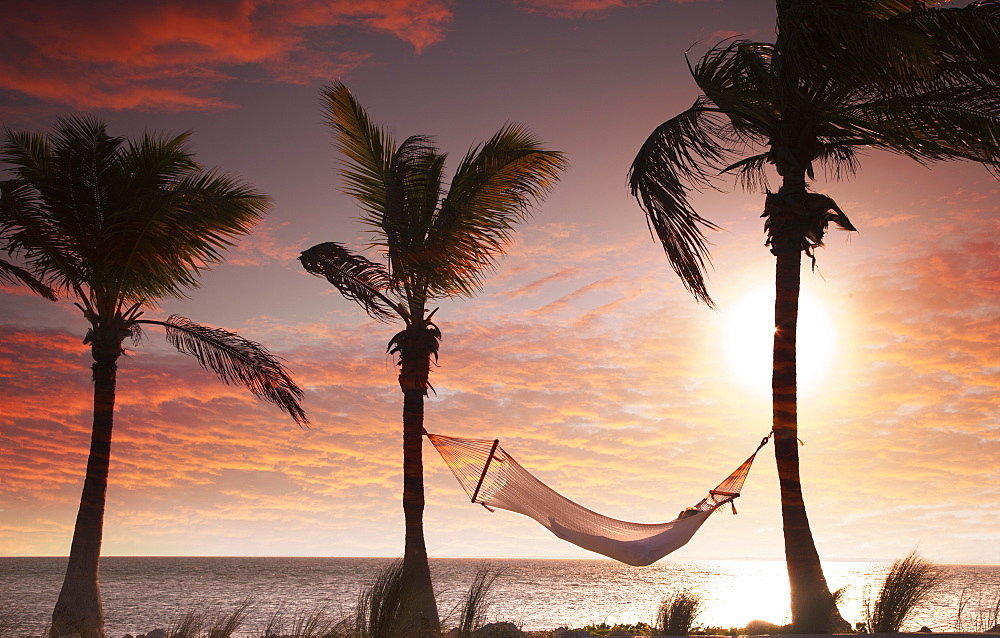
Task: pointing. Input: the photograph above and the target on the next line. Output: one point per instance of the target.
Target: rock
(995, 630)
(157, 633)
(499, 630)
(565, 632)
(924, 630)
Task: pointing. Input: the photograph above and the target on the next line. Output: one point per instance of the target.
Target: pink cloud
(174, 55)
(263, 247)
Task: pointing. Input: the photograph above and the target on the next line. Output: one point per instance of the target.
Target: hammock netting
(492, 478)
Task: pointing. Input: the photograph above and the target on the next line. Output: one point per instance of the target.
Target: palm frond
(368, 150)
(861, 41)
(962, 38)
(366, 282)
(29, 232)
(683, 154)
(738, 79)
(13, 274)
(236, 360)
(158, 243)
(750, 171)
(412, 197)
(949, 123)
(494, 187)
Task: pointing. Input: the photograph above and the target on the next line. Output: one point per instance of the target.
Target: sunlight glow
(749, 336)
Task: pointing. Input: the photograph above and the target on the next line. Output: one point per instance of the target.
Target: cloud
(175, 55)
(577, 8)
(263, 247)
(609, 389)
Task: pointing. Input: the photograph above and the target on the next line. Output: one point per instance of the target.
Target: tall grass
(982, 617)
(475, 605)
(909, 581)
(677, 613)
(9, 623)
(315, 624)
(202, 623)
(189, 626)
(386, 606)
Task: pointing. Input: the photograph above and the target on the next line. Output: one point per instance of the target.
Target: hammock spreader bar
(486, 467)
(492, 478)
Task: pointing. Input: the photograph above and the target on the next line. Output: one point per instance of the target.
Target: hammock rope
(491, 477)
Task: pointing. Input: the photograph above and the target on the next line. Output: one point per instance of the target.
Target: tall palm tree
(436, 244)
(896, 75)
(115, 226)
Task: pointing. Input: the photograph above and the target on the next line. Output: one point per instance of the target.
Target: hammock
(492, 478)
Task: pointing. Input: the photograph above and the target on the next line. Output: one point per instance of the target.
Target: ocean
(145, 593)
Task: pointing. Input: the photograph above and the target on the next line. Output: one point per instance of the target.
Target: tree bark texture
(813, 608)
(78, 609)
(414, 372)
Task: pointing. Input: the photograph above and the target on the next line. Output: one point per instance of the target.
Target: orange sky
(583, 353)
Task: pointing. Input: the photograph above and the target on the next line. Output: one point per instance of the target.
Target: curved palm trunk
(413, 377)
(814, 609)
(78, 609)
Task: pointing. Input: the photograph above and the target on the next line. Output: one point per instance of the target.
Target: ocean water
(144, 593)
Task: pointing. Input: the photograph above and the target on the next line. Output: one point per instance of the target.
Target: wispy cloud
(175, 55)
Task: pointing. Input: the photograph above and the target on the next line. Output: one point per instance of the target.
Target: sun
(749, 338)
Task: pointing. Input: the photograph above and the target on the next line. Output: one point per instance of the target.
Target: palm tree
(437, 245)
(896, 75)
(117, 225)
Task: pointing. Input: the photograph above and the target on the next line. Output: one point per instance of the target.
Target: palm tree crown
(437, 244)
(116, 225)
(843, 77)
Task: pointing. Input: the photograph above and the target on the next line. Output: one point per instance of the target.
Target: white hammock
(492, 478)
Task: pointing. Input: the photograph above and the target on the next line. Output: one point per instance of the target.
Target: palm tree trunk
(78, 609)
(413, 376)
(814, 609)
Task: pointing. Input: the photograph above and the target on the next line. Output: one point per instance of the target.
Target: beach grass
(909, 582)
(475, 605)
(677, 613)
(980, 615)
(9, 623)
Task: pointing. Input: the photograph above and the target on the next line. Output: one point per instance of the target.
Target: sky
(582, 353)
